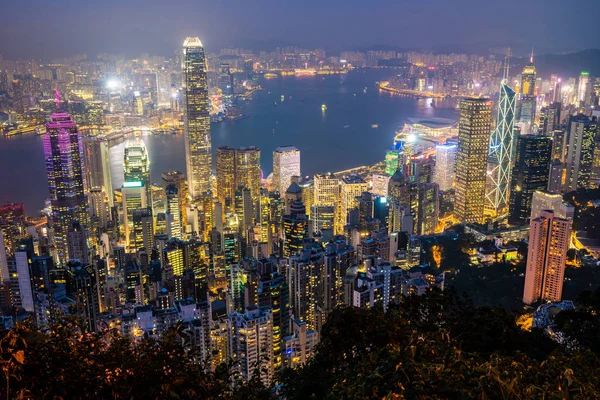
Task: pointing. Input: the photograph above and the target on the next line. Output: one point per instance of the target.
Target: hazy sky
(42, 28)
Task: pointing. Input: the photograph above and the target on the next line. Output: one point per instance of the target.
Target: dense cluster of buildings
(252, 267)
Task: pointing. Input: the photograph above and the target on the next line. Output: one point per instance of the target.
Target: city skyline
(284, 24)
(399, 179)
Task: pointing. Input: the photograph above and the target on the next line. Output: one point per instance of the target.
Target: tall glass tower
(63, 150)
(473, 145)
(501, 150)
(198, 154)
(528, 99)
(136, 165)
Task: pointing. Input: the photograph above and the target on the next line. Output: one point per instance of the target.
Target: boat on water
(365, 90)
(270, 75)
(323, 107)
(275, 103)
(346, 126)
(282, 97)
(374, 126)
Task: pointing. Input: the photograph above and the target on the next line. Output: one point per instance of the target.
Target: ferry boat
(270, 75)
(305, 72)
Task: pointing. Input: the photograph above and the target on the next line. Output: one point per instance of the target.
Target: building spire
(531, 58)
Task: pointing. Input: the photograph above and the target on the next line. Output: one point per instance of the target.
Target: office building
(175, 223)
(444, 173)
(97, 162)
(580, 152)
(549, 238)
(286, 164)
(226, 86)
(530, 173)
(471, 159)
(500, 158)
(351, 187)
(379, 184)
(326, 189)
(555, 177)
(63, 150)
(198, 153)
(136, 165)
(235, 168)
(527, 103)
(584, 90)
(133, 197)
(428, 209)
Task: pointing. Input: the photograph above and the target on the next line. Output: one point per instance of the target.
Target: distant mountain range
(564, 65)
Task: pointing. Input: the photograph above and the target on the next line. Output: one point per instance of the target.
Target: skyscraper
(286, 163)
(584, 89)
(97, 162)
(133, 197)
(547, 254)
(136, 165)
(444, 173)
(531, 171)
(238, 167)
(351, 187)
(225, 164)
(198, 154)
(580, 152)
(226, 85)
(528, 99)
(473, 145)
(63, 151)
(501, 151)
(247, 170)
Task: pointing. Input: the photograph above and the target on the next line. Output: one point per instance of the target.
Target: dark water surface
(341, 137)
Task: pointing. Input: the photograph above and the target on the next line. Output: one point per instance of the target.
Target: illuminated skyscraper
(226, 84)
(531, 171)
(528, 99)
(549, 238)
(136, 165)
(134, 197)
(247, 170)
(584, 89)
(351, 187)
(473, 146)
(444, 173)
(501, 150)
(286, 163)
(327, 189)
(580, 152)
(237, 167)
(178, 179)
(198, 154)
(174, 221)
(225, 163)
(63, 151)
(97, 162)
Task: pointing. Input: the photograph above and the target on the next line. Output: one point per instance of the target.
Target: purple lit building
(63, 152)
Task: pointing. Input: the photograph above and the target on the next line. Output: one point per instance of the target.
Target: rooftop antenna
(506, 65)
(531, 58)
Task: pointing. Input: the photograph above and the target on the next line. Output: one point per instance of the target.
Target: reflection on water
(338, 139)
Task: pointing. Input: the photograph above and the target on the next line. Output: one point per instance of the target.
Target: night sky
(43, 28)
